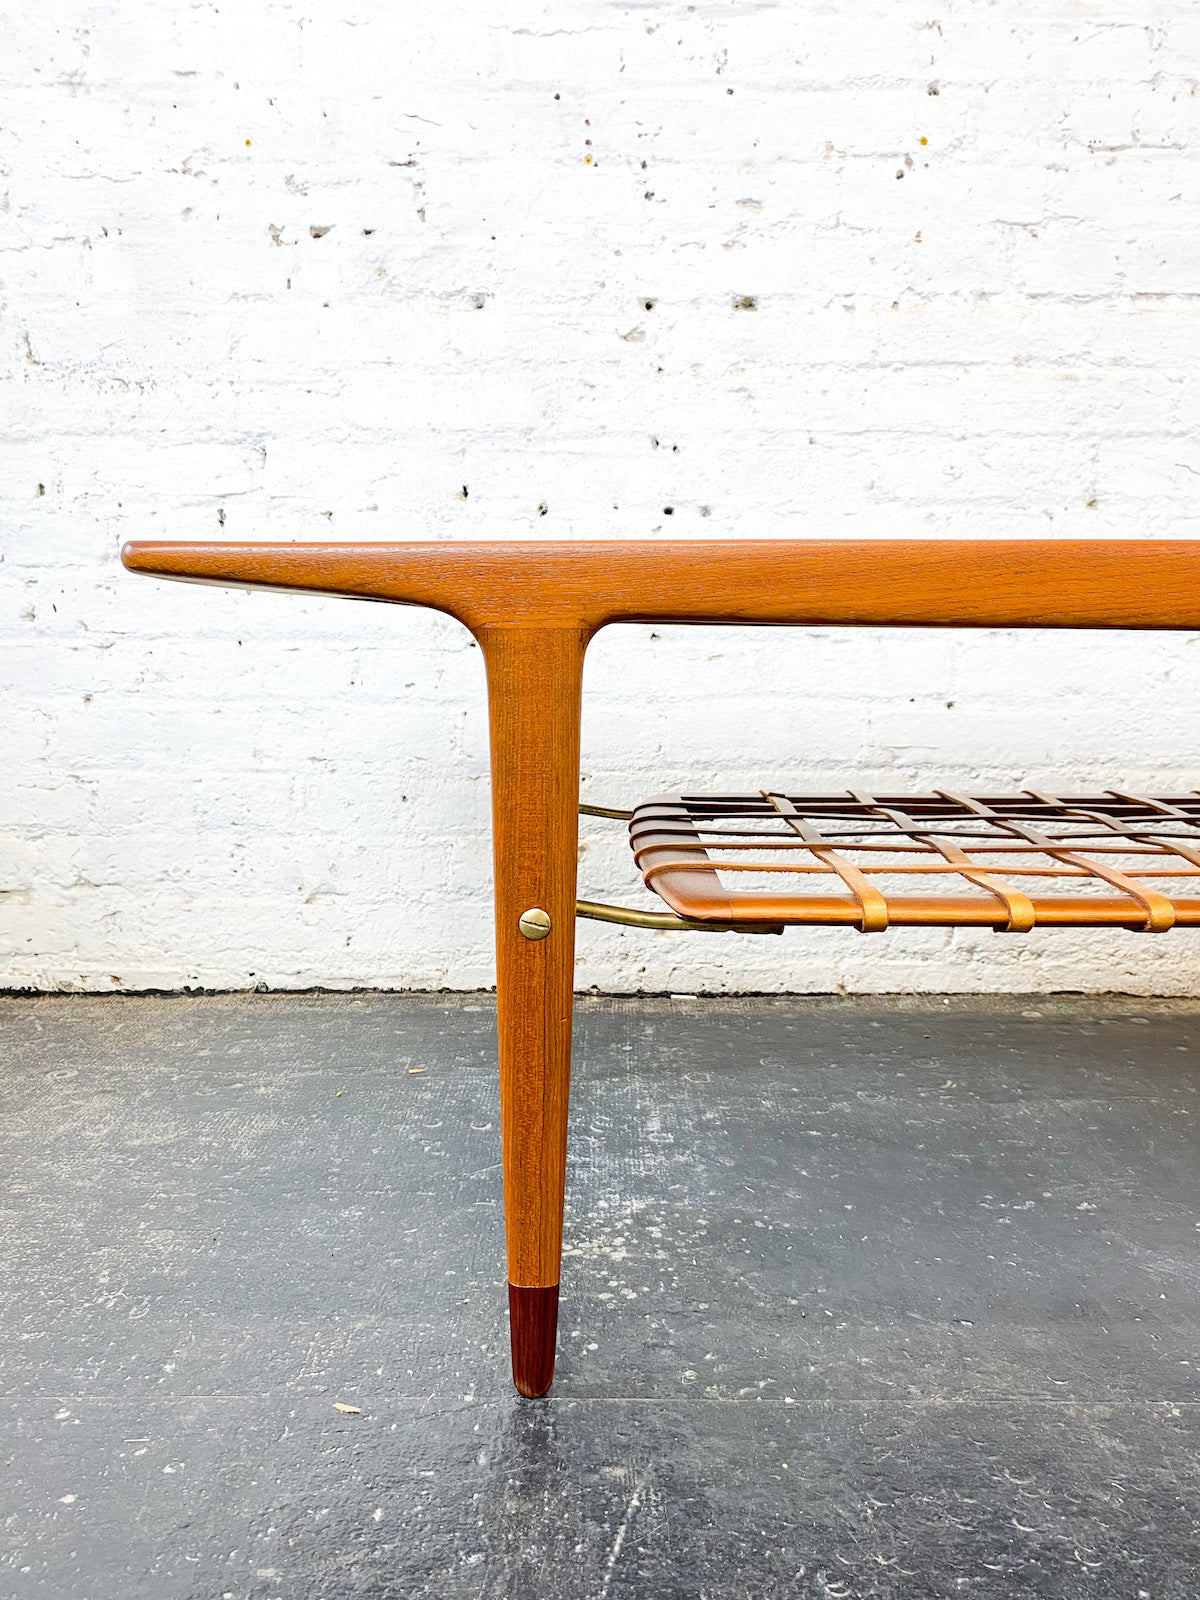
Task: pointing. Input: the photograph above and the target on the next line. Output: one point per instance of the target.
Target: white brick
(216, 787)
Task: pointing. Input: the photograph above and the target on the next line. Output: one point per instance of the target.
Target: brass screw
(534, 923)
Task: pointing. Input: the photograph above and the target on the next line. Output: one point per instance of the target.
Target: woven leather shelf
(944, 860)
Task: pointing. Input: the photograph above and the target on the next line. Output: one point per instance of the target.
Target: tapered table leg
(534, 678)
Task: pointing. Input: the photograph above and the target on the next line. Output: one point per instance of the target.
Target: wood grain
(911, 583)
(533, 1328)
(534, 679)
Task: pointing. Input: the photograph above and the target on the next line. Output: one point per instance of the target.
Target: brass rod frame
(598, 912)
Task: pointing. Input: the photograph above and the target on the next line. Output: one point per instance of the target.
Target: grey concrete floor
(862, 1298)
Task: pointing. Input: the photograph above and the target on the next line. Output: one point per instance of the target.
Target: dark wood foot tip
(533, 1325)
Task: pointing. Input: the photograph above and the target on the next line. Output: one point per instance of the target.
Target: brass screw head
(534, 923)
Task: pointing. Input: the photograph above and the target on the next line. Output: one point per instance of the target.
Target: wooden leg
(534, 678)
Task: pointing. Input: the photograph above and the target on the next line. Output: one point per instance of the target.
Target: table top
(1019, 583)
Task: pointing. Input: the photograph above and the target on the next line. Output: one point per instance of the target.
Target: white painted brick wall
(276, 272)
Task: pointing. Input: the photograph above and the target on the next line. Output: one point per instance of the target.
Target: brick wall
(564, 270)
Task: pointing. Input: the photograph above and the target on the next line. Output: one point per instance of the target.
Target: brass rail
(598, 912)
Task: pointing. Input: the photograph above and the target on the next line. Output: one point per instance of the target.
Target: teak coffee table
(1012, 862)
